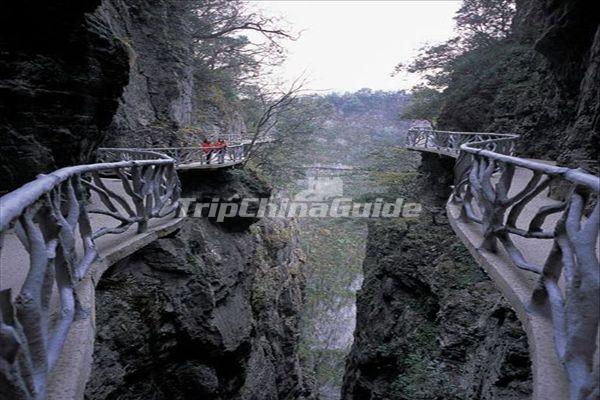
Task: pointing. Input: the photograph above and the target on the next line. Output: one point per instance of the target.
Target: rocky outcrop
(567, 35)
(571, 43)
(74, 77)
(207, 313)
(541, 83)
(167, 101)
(430, 323)
(61, 73)
(158, 99)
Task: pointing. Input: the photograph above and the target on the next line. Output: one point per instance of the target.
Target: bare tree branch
(272, 108)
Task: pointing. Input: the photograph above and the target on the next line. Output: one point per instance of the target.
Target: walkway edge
(70, 375)
(549, 377)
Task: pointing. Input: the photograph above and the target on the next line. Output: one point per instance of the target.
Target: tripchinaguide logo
(322, 198)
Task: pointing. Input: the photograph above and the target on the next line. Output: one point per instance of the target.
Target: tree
(480, 24)
(484, 22)
(267, 107)
(235, 48)
(218, 18)
(425, 103)
(434, 62)
(224, 51)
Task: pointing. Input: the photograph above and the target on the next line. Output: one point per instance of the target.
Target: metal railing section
(569, 278)
(51, 218)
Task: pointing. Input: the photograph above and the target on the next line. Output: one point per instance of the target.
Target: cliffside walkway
(58, 234)
(533, 227)
(189, 158)
(186, 158)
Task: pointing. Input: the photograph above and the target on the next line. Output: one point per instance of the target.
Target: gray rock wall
(541, 83)
(158, 99)
(61, 74)
(208, 313)
(166, 102)
(78, 75)
(570, 41)
(430, 323)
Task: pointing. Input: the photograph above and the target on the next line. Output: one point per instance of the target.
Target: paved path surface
(434, 150)
(68, 378)
(227, 162)
(534, 250)
(201, 166)
(14, 260)
(550, 381)
(517, 286)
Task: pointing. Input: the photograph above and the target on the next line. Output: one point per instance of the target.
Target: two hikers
(217, 148)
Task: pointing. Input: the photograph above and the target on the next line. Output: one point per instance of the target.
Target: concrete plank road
(14, 259)
(69, 376)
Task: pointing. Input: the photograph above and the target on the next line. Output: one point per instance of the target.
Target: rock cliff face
(542, 83)
(99, 72)
(166, 101)
(158, 98)
(430, 323)
(61, 74)
(208, 313)
(571, 43)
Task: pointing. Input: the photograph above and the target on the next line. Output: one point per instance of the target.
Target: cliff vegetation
(528, 67)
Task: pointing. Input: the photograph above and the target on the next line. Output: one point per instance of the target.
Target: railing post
(48, 214)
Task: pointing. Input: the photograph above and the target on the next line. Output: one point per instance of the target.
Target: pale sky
(348, 45)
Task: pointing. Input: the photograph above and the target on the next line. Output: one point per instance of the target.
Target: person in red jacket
(221, 146)
(207, 148)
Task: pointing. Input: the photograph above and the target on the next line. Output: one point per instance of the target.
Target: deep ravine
(281, 309)
(430, 323)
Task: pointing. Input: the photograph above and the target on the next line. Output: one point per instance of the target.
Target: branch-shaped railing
(51, 216)
(488, 194)
(196, 156)
(450, 142)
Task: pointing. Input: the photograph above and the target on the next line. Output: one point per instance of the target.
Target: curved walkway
(186, 158)
(189, 158)
(60, 233)
(534, 228)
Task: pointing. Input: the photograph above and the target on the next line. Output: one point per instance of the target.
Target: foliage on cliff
(481, 25)
(531, 68)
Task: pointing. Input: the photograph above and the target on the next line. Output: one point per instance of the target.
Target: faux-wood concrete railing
(185, 157)
(189, 157)
(51, 218)
(568, 283)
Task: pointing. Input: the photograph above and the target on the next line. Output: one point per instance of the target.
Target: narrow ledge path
(68, 377)
(517, 216)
